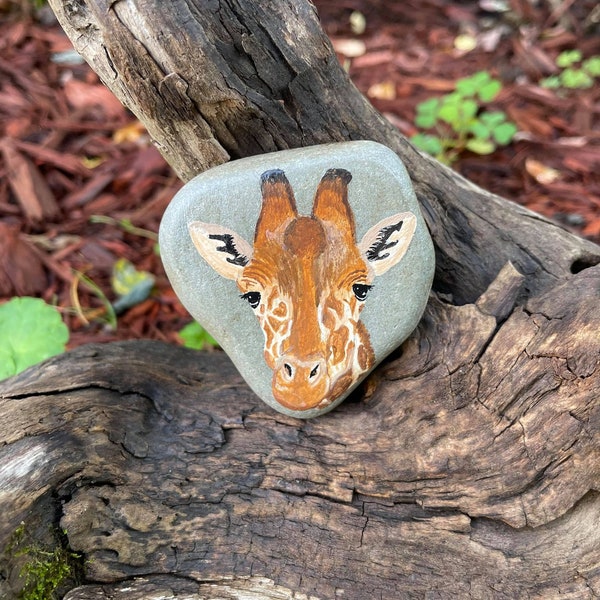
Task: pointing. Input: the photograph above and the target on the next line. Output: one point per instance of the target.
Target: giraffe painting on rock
(307, 279)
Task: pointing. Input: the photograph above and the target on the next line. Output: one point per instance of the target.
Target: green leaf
(428, 143)
(479, 129)
(458, 113)
(450, 113)
(568, 58)
(453, 99)
(466, 87)
(551, 83)
(427, 113)
(132, 286)
(576, 79)
(490, 90)
(468, 109)
(504, 133)
(428, 106)
(195, 336)
(469, 86)
(481, 78)
(425, 121)
(592, 66)
(30, 331)
(492, 118)
(480, 146)
(456, 117)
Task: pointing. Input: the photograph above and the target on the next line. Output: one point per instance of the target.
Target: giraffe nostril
(300, 372)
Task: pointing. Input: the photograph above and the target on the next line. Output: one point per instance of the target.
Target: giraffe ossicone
(303, 276)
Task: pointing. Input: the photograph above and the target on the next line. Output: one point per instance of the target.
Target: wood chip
(28, 185)
(84, 95)
(62, 160)
(89, 191)
(349, 48)
(386, 90)
(540, 172)
(21, 271)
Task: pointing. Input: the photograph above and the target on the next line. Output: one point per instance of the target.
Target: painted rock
(308, 267)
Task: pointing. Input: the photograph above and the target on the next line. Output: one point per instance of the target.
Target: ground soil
(77, 171)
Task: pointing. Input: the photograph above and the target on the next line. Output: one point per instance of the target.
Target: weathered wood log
(468, 464)
(468, 468)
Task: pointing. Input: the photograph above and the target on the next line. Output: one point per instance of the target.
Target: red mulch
(69, 150)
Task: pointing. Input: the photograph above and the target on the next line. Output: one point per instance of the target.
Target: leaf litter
(80, 180)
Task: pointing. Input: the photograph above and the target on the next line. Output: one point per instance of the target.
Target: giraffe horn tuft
(278, 203)
(338, 174)
(273, 176)
(331, 202)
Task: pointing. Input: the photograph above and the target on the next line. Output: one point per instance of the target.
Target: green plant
(106, 313)
(130, 285)
(45, 570)
(576, 73)
(459, 123)
(195, 336)
(30, 331)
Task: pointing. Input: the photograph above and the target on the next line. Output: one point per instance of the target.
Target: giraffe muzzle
(300, 384)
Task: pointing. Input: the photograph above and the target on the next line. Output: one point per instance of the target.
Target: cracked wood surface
(466, 466)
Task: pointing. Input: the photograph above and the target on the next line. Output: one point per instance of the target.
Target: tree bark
(467, 465)
(216, 80)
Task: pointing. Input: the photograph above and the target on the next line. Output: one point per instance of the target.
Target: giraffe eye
(361, 290)
(252, 298)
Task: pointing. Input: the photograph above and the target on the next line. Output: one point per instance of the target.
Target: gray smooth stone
(302, 265)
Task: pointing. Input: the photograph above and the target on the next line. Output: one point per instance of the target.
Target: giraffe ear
(223, 249)
(386, 243)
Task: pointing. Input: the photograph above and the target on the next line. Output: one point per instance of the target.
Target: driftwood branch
(467, 465)
(218, 81)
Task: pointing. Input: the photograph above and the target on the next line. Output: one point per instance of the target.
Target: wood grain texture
(466, 466)
(470, 469)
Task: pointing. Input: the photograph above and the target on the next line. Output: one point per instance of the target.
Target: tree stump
(468, 463)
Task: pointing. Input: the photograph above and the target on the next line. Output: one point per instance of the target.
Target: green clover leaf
(196, 337)
(427, 113)
(480, 146)
(592, 66)
(568, 58)
(576, 79)
(504, 133)
(30, 331)
(428, 143)
(489, 91)
(469, 86)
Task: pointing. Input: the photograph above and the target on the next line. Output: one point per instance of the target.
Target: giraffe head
(307, 280)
